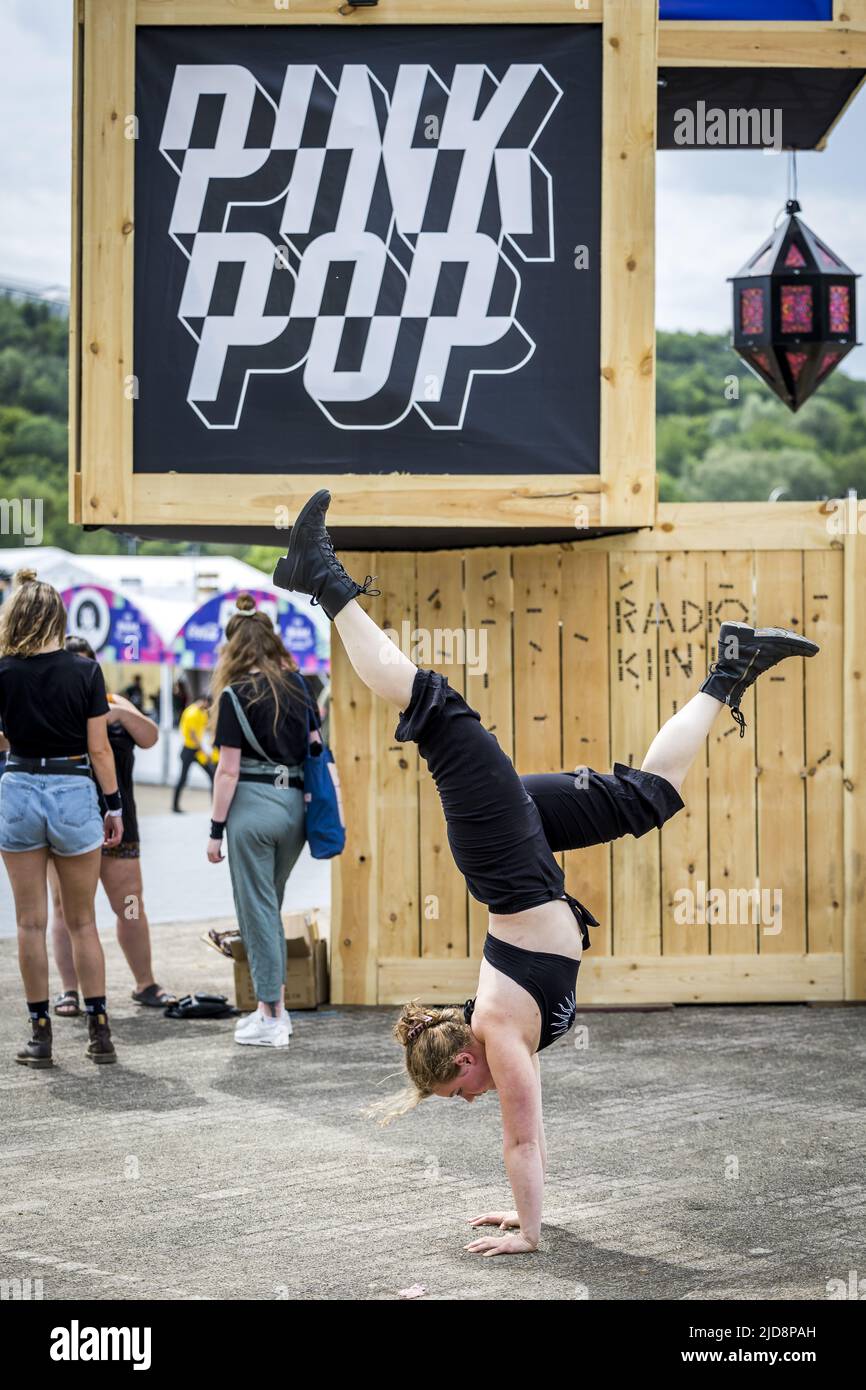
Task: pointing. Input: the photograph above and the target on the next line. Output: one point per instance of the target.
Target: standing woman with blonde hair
(264, 715)
(53, 710)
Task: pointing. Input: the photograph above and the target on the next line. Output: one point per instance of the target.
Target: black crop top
(550, 979)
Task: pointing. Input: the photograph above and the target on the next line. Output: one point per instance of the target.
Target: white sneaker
(263, 1032)
(250, 1020)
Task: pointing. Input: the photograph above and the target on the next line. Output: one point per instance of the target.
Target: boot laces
(342, 572)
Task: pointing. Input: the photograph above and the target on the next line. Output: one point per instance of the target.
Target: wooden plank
(537, 701)
(780, 745)
(633, 725)
(854, 803)
(444, 910)
(386, 12)
(395, 499)
(739, 45)
(74, 514)
(682, 667)
(736, 526)
(107, 261)
(586, 715)
(397, 775)
(627, 446)
(354, 880)
(823, 597)
(732, 805)
(850, 12)
(726, 979)
(489, 678)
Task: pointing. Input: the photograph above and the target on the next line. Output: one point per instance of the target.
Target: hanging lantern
(794, 310)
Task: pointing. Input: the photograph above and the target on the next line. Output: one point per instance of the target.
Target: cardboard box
(307, 983)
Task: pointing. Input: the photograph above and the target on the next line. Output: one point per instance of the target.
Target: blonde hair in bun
(24, 577)
(432, 1037)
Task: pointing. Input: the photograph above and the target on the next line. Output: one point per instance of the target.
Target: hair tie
(418, 1028)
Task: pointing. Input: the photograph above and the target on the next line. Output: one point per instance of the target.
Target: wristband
(114, 813)
(113, 802)
(216, 829)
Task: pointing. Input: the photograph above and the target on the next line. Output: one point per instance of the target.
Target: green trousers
(265, 831)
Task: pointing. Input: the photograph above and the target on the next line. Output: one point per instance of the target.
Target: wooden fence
(574, 655)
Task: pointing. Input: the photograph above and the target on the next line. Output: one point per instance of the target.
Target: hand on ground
(502, 1219)
(516, 1244)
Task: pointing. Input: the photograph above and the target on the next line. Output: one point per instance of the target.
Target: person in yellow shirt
(193, 723)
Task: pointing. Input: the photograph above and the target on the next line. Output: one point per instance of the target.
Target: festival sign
(355, 249)
(116, 628)
(197, 644)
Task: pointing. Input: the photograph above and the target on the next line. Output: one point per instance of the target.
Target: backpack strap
(246, 728)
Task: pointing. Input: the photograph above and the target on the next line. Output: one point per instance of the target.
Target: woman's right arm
(102, 762)
(513, 1070)
(224, 787)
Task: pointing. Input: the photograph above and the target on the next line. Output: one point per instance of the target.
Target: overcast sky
(713, 207)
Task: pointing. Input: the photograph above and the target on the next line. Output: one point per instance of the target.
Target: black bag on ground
(201, 1006)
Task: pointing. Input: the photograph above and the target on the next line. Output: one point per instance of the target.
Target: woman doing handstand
(504, 832)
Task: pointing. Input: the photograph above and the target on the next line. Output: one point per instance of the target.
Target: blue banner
(746, 9)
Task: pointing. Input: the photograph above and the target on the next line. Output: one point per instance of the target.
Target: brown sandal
(68, 1004)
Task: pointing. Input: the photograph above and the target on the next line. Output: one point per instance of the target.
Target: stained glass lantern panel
(828, 260)
(797, 361)
(795, 260)
(840, 309)
(752, 310)
(795, 305)
(828, 362)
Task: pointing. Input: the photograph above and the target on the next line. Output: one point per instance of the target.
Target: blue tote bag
(325, 827)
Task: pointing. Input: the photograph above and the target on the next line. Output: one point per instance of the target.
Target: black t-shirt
(288, 746)
(46, 701)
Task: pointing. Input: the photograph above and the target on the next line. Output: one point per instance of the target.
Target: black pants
(504, 830)
(187, 758)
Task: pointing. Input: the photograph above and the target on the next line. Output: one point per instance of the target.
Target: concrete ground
(711, 1153)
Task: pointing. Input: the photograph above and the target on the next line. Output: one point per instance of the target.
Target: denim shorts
(58, 813)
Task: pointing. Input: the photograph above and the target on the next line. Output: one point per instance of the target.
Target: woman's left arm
(141, 730)
(224, 786)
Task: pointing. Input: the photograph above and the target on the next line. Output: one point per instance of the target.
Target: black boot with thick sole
(37, 1053)
(744, 653)
(310, 565)
(100, 1048)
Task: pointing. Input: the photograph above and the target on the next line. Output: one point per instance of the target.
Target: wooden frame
(103, 487)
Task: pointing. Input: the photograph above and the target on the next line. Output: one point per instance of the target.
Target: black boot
(743, 654)
(100, 1048)
(37, 1053)
(311, 567)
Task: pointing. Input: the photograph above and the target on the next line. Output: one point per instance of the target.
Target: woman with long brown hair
(53, 710)
(263, 714)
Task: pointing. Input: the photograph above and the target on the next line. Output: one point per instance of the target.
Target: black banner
(367, 251)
